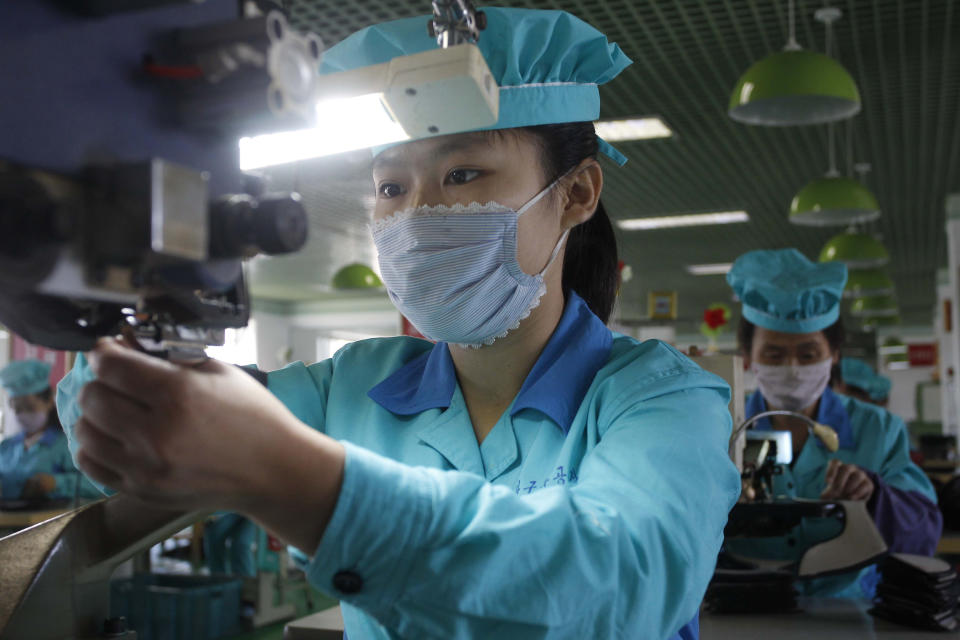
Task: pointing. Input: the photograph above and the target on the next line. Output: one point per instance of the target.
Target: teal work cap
(857, 373)
(25, 377)
(548, 64)
(784, 291)
(879, 388)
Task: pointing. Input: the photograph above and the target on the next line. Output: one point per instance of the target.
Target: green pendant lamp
(796, 87)
(872, 324)
(875, 307)
(833, 200)
(856, 250)
(356, 276)
(868, 283)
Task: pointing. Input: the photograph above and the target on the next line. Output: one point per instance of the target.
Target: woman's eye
(389, 190)
(462, 176)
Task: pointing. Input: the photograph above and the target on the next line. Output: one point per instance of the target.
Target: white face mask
(31, 421)
(453, 271)
(793, 387)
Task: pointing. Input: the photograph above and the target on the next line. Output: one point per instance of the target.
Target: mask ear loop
(534, 200)
(556, 252)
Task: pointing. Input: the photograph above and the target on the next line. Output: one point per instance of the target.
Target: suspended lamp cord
(792, 44)
(850, 148)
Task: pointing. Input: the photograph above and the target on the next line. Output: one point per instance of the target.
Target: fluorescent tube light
(686, 220)
(709, 269)
(632, 129)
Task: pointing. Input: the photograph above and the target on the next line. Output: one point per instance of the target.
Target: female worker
(531, 475)
(790, 335)
(35, 462)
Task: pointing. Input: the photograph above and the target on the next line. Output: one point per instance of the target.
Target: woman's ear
(582, 193)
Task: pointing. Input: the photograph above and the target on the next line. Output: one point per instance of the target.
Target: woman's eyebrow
(447, 147)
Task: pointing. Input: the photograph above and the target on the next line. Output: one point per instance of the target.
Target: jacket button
(347, 582)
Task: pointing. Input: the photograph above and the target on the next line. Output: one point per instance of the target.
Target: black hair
(590, 263)
(834, 334)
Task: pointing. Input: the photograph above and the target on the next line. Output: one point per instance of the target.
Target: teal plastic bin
(170, 607)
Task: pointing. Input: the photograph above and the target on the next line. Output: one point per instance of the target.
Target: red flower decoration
(714, 318)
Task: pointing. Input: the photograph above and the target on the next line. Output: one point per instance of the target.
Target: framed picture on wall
(662, 305)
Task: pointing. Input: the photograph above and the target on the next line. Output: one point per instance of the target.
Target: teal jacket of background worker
(903, 505)
(48, 455)
(594, 508)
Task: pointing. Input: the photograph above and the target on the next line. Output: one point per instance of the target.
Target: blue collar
(831, 412)
(555, 386)
(50, 435)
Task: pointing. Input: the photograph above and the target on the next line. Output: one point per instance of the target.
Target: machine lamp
(436, 92)
(833, 200)
(356, 276)
(856, 250)
(864, 283)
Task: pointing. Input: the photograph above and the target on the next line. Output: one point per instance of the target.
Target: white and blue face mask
(453, 271)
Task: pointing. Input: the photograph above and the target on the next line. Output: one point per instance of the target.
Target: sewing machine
(765, 515)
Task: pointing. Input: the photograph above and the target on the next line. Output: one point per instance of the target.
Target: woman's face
(505, 167)
(778, 348)
(31, 404)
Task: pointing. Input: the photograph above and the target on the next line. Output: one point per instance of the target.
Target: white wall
(903, 393)
(284, 338)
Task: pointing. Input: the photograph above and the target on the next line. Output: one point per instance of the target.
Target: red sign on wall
(922, 354)
(20, 349)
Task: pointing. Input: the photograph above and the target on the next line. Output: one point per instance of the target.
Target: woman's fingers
(135, 374)
(111, 410)
(863, 490)
(832, 468)
(98, 472)
(97, 446)
(846, 482)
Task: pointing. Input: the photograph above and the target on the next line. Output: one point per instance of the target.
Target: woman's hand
(846, 482)
(203, 436)
(39, 485)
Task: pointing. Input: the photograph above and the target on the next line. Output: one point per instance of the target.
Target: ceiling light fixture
(856, 250)
(683, 220)
(718, 269)
(795, 87)
(632, 129)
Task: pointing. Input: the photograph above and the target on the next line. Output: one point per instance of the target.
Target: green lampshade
(833, 201)
(865, 283)
(356, 276)
(794, 87)
(856, 250)
(875, 307)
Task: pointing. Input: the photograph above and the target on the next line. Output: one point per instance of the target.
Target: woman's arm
(627, 550)
(904, 504)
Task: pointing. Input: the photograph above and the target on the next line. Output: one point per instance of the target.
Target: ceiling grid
(688, 55)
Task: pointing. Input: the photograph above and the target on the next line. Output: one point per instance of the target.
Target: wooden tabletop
(22, 519)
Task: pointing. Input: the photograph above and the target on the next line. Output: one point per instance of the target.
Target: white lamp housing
(433, 93)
